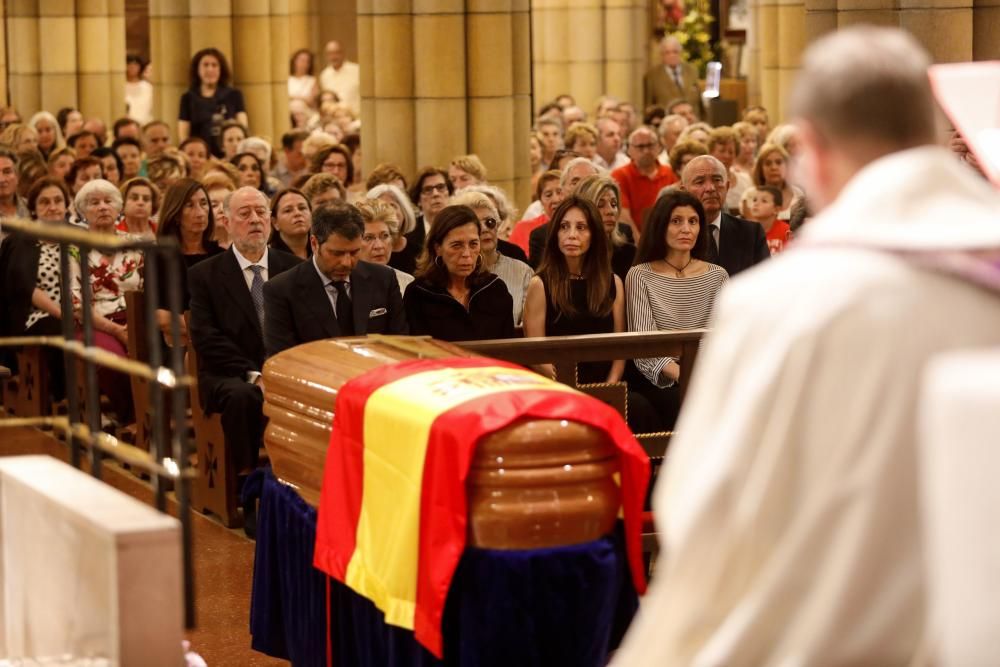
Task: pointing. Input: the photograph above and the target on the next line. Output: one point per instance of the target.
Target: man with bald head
(227, 323)
(673, 79)
(791, 511)
(734, 244)
(341, 76)
(643, 177)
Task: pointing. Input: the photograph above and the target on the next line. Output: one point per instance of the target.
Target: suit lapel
(234, 282)
(314, 295)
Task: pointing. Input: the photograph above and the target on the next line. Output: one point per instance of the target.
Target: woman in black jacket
(30, 271)
(452, 298)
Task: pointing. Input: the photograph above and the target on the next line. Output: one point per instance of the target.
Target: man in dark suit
(227, 314)
(734, 244)
(334, 294)
(673, 79)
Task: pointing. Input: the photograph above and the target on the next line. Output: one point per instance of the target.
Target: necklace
(679, 269)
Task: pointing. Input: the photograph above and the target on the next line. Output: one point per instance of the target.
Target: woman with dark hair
(84, 170)
(291, 219)
(70, 121)
(198, 153)
(335, 160)
(30, 273)
(604, 193)
(301, 82)
(186, 216)
(210, 100)
(251, 171)
(671, 287)
(232, 135)
(111, 164)
(452, 298)
(142, 201)
(575, 292)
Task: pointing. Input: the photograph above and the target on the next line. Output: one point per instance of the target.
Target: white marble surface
(86, 572)
(960, 475)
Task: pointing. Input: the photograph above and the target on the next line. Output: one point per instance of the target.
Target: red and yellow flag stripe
(392, 515)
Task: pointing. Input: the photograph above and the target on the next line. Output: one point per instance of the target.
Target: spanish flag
(392, 515)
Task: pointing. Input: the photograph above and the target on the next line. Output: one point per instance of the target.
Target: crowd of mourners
(636, 222)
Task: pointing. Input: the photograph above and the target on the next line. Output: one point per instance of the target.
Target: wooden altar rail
(564, 352)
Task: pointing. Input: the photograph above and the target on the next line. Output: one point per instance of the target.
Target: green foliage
(694, 34)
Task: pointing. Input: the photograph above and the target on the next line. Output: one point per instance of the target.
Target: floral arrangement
(692, 28)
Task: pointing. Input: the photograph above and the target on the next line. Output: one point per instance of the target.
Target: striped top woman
(671, 286)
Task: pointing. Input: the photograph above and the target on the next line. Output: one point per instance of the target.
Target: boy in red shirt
(765, 203)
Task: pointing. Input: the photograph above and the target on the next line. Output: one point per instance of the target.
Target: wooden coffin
(534, 484)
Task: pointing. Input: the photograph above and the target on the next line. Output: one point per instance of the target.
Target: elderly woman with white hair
(110, 274)
(50, 137)
(515, 274)
(394, 196)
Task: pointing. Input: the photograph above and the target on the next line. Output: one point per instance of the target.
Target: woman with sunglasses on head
(514, 273)
(452, 297)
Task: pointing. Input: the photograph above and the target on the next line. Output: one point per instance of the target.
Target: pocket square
(377, 312)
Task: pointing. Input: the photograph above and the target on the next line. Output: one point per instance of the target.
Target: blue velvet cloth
(561, 606)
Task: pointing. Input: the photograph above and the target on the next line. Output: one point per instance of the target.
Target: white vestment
(788, 507)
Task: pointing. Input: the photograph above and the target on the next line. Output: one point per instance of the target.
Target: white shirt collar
(323, 276)
(244, 262)
(717, 222)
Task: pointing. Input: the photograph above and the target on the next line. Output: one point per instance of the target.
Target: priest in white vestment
(788, 509)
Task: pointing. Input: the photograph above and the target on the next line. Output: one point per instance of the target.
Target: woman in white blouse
(671, 287)
(301, 82)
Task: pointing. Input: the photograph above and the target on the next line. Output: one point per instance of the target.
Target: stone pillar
(986, 29)
(751, 51)
(25, 67)
(767, 29)
(100, 56)
(426, 97)
(589, 48)
(821, 18)
(944, 27)
(791, 17)
(170, 53)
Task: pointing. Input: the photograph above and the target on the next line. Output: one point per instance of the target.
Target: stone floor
(223, 563)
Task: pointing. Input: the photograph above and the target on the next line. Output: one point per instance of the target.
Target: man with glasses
(335, 293)
(643, 177)
(227, 323)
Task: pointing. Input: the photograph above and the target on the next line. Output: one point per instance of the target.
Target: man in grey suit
(333, 294)
(673, 80)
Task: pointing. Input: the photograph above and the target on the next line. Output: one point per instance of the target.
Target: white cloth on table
(788, 508)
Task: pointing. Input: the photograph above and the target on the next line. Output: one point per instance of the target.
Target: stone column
(944, 27)
(986, 30)
(791, 42)
(589, 48)
(821, 18)
(767, 29)
(254, 63)
(170, 53)
(25, 67)
(426, 97)
(100, 55)
(751, 51)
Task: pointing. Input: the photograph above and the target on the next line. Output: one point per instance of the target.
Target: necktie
(713, 245)
(257, 292)
(345, 314)
(677, 78)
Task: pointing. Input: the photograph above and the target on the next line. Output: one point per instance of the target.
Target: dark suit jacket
(660, 88)
(298, 309)
(224, 326)
(741, 244)
(406, 259)
(18, 278)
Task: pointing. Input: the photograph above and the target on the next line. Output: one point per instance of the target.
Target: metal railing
(167, 462)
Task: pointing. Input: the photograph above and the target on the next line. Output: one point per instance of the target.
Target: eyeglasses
(489, 223)
(431, 189)
(384, 237)
(644, 147)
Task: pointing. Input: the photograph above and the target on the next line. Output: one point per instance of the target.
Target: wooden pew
(33, 396)
(214, 489)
